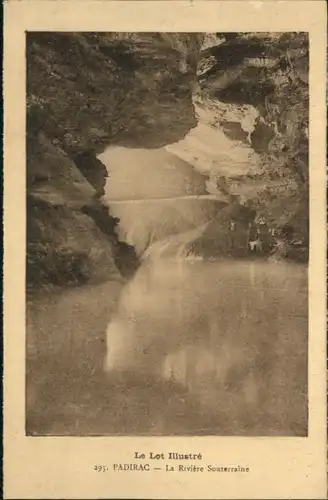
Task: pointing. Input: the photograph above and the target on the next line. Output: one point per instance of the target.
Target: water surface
(186, 347)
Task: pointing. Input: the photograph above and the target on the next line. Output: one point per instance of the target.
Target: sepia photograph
(167, 233)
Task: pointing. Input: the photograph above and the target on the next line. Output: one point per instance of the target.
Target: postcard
(165, 250)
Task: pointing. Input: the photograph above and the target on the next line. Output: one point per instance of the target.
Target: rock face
(64, 245)
(86, 91)
(268, 71)
(220, 144)
(272, 76)
(89, 91)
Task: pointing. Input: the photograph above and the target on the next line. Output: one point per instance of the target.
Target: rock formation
(269, 72)
(88, 91)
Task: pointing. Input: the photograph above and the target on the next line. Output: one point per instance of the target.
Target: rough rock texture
(270, 72)
(64, 245)
(217, 239)
(91, 90)
(220, 144)
(86, 91)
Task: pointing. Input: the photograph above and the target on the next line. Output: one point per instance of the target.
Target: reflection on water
(191, 348)
(231, 335)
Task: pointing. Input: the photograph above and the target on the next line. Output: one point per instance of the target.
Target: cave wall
(91, 90)
(270, 72)
(85, 92)
(88, 91)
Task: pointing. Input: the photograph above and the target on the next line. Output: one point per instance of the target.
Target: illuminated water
(191, 347)
(187, 347)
